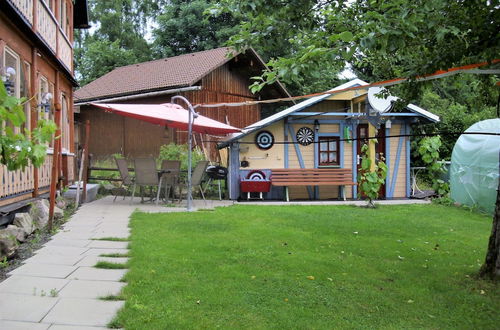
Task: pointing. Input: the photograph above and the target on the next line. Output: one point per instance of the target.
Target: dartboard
(305, 136)
(256, 175)
(264, 140)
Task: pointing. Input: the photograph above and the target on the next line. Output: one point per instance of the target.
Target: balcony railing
(64, 50)
(47, 28)
(46, 25)
(26, 9)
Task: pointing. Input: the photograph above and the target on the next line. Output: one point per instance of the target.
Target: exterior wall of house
(34, 65)
(257, 158)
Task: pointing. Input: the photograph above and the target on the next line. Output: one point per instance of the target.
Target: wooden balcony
(19, 185)
(40, 18)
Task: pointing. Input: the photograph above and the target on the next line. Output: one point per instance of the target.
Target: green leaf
(346, 36)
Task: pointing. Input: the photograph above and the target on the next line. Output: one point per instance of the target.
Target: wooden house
(212, 76)
(322, 132)
(36, 58)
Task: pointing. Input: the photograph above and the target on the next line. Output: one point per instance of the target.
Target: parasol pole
(192, 117)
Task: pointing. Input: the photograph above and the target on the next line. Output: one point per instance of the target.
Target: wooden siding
(264, 159)
(400, 186)
(135, 138)
(19, 185)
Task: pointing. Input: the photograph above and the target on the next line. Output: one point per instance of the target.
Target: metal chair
(146, 175)
(127, 179)
(171, 179)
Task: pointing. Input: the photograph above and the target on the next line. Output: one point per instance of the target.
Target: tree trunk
(491, 267)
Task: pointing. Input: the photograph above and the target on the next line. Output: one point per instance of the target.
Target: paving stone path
(58, 288)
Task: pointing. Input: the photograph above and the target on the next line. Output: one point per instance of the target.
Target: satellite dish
(380, 104)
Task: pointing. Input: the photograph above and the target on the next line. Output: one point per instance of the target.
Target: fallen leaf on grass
(330, 279)
(483, 292)
(286, 299)
(310, 277)
(410, 301)
(401, 258)
(253, 277)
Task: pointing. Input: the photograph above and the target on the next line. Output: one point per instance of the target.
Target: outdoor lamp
(8, 78)
(388, 123)
(45, 102)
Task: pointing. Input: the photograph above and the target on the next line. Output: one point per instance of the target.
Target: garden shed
(322, 132)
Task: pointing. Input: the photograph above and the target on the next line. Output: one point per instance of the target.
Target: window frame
(328, 139)
(17, 83)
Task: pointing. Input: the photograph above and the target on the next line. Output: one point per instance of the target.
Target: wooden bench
(312, 177)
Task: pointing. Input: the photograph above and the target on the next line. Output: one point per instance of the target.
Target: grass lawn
(314, 267)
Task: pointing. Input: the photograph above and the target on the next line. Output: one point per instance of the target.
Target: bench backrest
(312, 175)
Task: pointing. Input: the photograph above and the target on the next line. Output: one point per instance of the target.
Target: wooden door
(362, 133)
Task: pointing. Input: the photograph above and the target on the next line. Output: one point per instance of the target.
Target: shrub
(174, 151)
(370, 181)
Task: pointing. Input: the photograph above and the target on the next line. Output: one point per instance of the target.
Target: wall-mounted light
(388, 123)
(8, 75)
(45, 102)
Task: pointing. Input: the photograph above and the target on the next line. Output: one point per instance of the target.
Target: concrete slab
(73, 327)
(44, 270)
(98, 252)
(68, 242)
(107, 244)
(91, 289)
(90, 261)
(14, 325)
(74, 235)
(19, 307)
(87, 312)
(66, 251)
(97, 274)
(53, 259)
(34, 286)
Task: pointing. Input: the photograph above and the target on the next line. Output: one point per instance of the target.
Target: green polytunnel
(475, 166)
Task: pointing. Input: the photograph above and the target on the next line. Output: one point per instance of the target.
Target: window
(64, 124)
(12, 62)
(25, 91)
(329, 149)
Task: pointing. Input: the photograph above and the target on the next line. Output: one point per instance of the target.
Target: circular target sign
(305, 136)
(264, 140)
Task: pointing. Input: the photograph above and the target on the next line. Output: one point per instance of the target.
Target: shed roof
(172, 72)
(311, 101)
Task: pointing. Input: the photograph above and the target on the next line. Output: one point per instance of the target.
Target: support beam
(299, 157)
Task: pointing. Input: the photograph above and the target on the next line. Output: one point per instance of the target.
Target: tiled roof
(178, 71)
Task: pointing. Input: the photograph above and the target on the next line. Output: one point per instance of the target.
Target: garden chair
(197, 176)
(171, 179)
(146, 175)
(127, 179)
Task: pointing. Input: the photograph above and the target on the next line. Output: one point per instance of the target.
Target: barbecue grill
(216, 172)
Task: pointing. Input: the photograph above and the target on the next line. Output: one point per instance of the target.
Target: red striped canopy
(168, 114)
